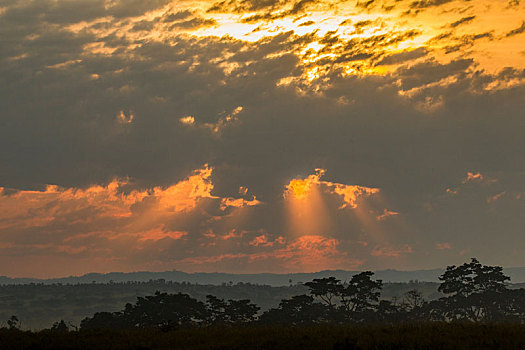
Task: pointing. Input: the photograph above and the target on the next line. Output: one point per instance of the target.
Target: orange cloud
(386, 214)
(301, 188)
(225, 121)
(495, 197)
(158, 233)
(306, 202)
(122, 118)
(105, 211)
(443, 246)
(188, 120)
(473, 177)
(392, 251)
(232, 234)
(184, 195)
(310, 253)
(238, 203)
(478, 177)
(352, 193)
(307, 253)
(263, 241)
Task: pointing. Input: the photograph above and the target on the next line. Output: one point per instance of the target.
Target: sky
(253, 136)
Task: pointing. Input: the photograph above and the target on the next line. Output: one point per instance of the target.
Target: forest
(475, 305)
(38, 306)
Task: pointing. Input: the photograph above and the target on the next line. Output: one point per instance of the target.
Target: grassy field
(403, 336)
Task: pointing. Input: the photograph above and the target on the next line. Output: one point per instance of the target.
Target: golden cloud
(300, 189)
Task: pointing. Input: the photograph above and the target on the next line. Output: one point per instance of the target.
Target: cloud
(403, 56)
(386, 214)
(462, 21)
(443, 246)
(393, 252)
(300, 189)
(238, 203)
(421, 4)
(478, 177)
(517, 31)
(125, 119)
(188, 120)
(495, 198)
(473, 177)
(193, 23)
(244, 5)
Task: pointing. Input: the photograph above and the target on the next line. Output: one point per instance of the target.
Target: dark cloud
(177, 16)
(366, 4)
(517, 31)
(430, 71)
(421, 4)
(307, 23)
(175, 20)
(65, 11)
(462, 21)
(194, 23)
(244, 5)
(267, 10)
(403, 56)
(301, 5)
(463, 42)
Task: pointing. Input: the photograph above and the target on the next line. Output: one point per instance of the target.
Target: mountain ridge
(517, 275)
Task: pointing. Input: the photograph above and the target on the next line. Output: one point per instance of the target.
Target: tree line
(473, 293)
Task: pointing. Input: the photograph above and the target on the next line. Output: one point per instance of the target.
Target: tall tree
(475, 292)
(361, 293)
(326, 289)
(299, 310)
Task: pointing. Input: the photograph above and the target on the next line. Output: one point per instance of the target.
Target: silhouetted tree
(165, 309)
(217, 309)
(361, 293)
(476, 292)
(515, 305)
(299, 310)
(13, 322)
(326, 289)
(241, 311)
(232, 311)
(60, 326)
(413, 299)
(390, 311)
(161, 310)
(106, 320)
(470, 278)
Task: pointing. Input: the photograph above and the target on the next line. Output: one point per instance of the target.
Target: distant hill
(517, 275)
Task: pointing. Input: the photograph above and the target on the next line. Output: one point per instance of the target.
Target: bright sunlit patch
(238, 203)
(306, 198)
(326, 36)
(122, 118)
(188, 120)
(184, 195)
(300, 188)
